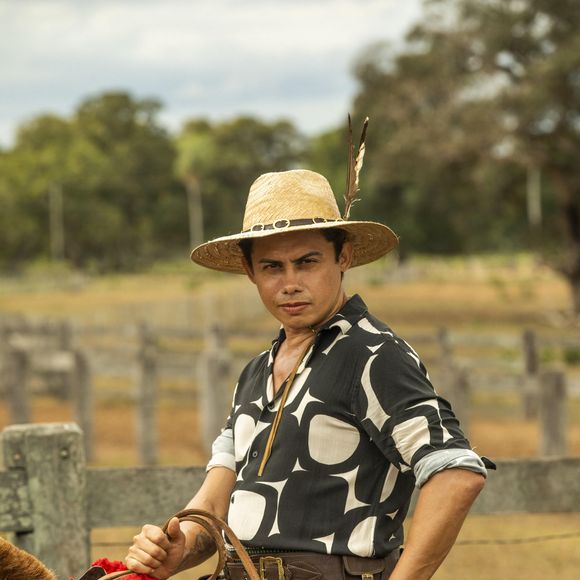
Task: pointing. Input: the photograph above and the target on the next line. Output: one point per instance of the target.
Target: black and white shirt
(361, 425)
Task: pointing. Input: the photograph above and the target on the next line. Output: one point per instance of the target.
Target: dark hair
(336, 236)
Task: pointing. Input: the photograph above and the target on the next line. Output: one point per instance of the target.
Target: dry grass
(531, 560)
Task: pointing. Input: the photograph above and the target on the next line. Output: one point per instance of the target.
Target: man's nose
(291, 281)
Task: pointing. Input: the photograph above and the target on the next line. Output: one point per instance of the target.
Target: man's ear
(249, 270)
(345, 258)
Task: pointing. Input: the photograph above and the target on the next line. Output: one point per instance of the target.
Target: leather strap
(214, 526)
(278, 417)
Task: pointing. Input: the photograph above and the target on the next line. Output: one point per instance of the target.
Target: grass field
(480, 296)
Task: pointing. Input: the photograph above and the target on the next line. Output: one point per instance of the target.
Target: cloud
(215, 58)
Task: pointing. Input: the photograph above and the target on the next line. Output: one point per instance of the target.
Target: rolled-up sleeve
(447, 459)
(222, 451)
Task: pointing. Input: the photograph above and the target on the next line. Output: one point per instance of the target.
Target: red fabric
(116, 566)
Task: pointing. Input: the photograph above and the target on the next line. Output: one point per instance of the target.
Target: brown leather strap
(278, 417)
(214, 526)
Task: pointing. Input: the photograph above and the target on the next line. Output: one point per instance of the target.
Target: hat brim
(370, 241)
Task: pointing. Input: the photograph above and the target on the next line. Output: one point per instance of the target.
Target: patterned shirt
(360, 419)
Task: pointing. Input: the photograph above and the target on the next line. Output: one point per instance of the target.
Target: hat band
(283, 224)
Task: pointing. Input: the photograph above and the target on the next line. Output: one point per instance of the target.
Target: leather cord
(278, 417)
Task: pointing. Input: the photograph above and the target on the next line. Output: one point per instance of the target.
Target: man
(331, 429)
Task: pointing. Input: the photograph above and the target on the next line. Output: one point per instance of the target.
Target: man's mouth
(293, 307)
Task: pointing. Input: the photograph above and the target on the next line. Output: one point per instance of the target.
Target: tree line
(472, 147)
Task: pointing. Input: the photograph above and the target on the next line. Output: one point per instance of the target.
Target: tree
(135, 181)
(220, 161)
(195, 154)
(484, 91)
(327, 154)
(46, 160)
(532, 48)
(112, 166)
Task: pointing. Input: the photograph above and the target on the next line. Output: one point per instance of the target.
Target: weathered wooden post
(553, 419)
(83, 399)
(214, 375)
(16, 381)
(65, 335)
(460, 397)
(455, 380)
(531, 379)
(147, 387)
(52, 458)
(445, 349)
(65, 378)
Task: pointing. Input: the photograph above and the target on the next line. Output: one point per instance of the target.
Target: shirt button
(254, 454)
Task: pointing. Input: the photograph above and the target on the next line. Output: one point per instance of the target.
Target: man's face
(298, 277)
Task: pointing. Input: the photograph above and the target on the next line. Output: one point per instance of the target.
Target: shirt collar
(352, 311)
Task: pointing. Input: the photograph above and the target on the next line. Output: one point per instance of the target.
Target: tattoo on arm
(204, 546)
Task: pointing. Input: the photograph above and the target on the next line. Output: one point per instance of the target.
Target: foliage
(484, 92)
(226, 157)
(119, 175)
(111, 161)
(327, 154)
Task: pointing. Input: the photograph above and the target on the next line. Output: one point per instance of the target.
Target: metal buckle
(278, 561)
(367, 576)
(279, 224)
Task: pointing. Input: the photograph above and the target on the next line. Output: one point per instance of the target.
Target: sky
(218, 59)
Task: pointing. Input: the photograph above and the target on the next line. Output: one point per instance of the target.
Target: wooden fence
(64, 361)
(51, 501)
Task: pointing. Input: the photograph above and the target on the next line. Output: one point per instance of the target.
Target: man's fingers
(155, 535)
(153, 553)
(148, 554)
(137, 566)
(173, 530)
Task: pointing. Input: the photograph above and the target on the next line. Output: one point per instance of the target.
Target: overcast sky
(213, 58)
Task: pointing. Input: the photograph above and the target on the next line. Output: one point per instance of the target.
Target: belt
(312, 566)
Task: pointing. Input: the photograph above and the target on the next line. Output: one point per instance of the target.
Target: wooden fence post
(65, 335)
(147, 387)
(65, 386)
(51, 455)
(445, 349)
(456, 385)
(460, 396)
(531, 383)
(17, 379)
(83, 399)
(214, 375)
(553, 420)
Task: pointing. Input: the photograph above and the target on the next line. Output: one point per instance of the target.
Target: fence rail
(63, 360)
(50, 500)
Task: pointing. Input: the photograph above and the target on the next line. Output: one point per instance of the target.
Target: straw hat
(293, 201)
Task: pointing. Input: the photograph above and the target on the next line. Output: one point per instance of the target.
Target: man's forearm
(199, 545)
(213, 497)
(440, 511)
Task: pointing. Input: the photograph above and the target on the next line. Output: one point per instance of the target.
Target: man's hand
(155, 553)
(186, 544)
